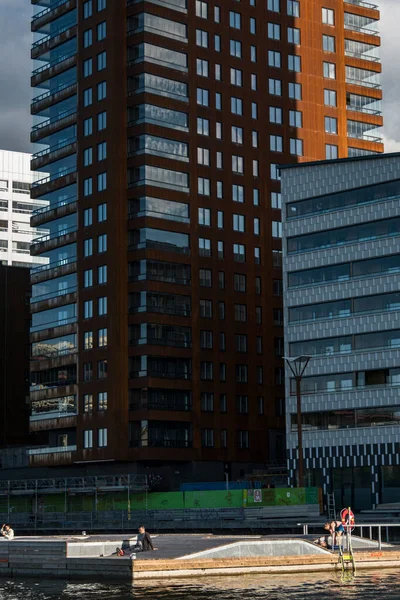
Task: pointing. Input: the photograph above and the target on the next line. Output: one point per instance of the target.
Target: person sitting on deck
(144, 543)
(7, 532)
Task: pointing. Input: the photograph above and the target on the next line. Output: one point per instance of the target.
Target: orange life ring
(347, 517)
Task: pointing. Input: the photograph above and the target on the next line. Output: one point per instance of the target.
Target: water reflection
(384, 585)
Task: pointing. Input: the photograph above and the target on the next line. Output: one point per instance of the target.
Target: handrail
(44, 209)
(362, 3)
(362, 56)
(48, 9)
(50, 178)
(53, 35)
(363, 30)
(51, 121)
(55, 234)
(55, 294)
(63, 86)
(54, 148)
(360, 526)
(54, 265)
(363, 83)
(54, 63)
(363, 136)
(368, 111)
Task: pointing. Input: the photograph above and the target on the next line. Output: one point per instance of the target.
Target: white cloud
(390, 53)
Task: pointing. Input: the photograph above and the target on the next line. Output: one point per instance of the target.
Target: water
(382, 585)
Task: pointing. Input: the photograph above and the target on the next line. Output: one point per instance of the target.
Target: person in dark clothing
(144, 542)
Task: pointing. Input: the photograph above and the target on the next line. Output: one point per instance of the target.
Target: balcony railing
(160, 405)
(58, 61)
(53, 35)
(55, 294)
(160, 374)
(49, 207)
(161, 443)
(51, 178)
(176, 311)
(52, 415)
(362, 3)
(63, 86)
(364, 30)
(361, 56)
(152, 245)
(362, 136)
(154, 341)
(52, 121)
(54, 148)
(53, 450)
(55, 234)
(51, 384)
(54, 265)
(363, 83)
(48, 10)
(364, 109)
(52, 324)
(179, 5)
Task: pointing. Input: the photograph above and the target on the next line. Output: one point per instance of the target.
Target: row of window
(348, 418)
(88, 280)
(101, 63)
(88, 343)
(240, 311)
(101, 405)
(101, 214)
(241, 372)
(101, 370)
(88, 7)
(101, 123)
(101, 438)
(102, 308)
(208, 438)
(101, 245)
(101, 34)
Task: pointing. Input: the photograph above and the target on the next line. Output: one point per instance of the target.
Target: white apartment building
(16, 208)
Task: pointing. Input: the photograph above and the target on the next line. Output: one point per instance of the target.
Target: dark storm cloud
(15, 67)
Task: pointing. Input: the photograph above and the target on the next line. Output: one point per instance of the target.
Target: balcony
(362, 4)
(49, 70)
(54, 450)
(51, 240)
(362, 30)
(66, 387)
(61, 92)
(55, 269)
(50, 13)
(53, 211)
(54, 39)
(161, 443)
(161, 374)
(51, 125)
(177, 311)
(52, 457)
(52, 295)
(165, 247)
(155, 341)
(178, 5)
(53, 182)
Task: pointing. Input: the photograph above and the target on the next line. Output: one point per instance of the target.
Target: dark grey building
(341, 255)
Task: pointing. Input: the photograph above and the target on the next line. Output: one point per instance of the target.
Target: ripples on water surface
(384, 585)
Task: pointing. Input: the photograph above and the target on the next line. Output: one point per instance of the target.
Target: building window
(328, 16)
(235, 19)
(101, 369)
(275, 87)
(88, 186)
(257, 255)
(88, 309)
(239, 223)
(222, 341)
(237, 109)
(204, 217)
(276, 200)
(331, 125)
(331, 152)
(87, 403)
(102, 243)
(203, 98)
(206, 370)
(223, 403)
(102, 305)
(277, 259)
(276, 143)
(275, 115)
(242, 404)
(204, 247)
(238, 193)
(235, 48)
(329, 70)
(217, 14)
(330, 97)
(222, 372)
(101, 151)
(256, 226)
(87, 217)
(87, 9)
(102, 121)
(102, 274)
(239, 282)
(293, 35)
(203, 186)
(102, 337)
(88, 247)
(237, 164)
(240, 342)
(201, 9)
(243, 439)
(274, 31)
(101, 182)
(102, 212)
(207, 402)
(295, 118)
(221, 280)
(277, 287)
(88, 127)
(240, 313)
(101, 5)
(294, 63)
(274, 59)
(296, 147)
(87, 38)
(205, 277)
(295, 91)
(87, 371)
(88, 278)
(87, 67)
(258, 285)
(202, 38)
(259, 344)
(293, 8)
(239, 252)
(260, 405)
(276, 229)
(207, 438)
(221, 310)
(203, 126)
(87, 97)
(206, 309)
(102, 401)
(224, 438)
(220, 249)
(274, 5)
(253, 25)
(102, 61)
(202, 67)
(102, 438)
(101, 31)
(88, 438)
(236, 77)
(328, 43)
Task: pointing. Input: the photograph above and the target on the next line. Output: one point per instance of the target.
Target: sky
(15, 68)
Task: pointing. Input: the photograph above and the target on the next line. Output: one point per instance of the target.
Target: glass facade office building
(157, 324)
(342, 301)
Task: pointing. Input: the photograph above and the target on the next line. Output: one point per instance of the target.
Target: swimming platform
(180, 555)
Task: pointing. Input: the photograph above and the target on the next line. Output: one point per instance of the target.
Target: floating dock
(93, 557)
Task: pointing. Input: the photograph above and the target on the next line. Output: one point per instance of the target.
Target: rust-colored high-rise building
(157, 326)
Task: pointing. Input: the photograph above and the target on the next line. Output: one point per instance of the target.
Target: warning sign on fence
(257, 496)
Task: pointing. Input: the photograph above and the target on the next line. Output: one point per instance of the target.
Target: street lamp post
(297, 366)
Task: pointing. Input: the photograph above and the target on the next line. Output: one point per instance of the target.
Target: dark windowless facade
(157, 331)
